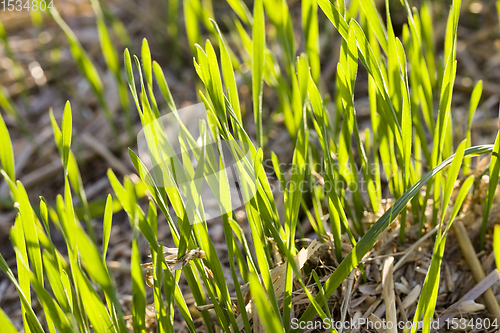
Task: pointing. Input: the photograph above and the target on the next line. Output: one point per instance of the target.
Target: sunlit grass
(77, 291)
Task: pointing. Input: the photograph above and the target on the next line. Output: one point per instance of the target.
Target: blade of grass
(293, 195)
(375, 21)
(54, 278)
(192, 26)
(94, 266)
(6, 324)
(496, 245)
(138, 289)
(407, 131)
(228, 73)
(427, 302)
(66, 135)
(474, 101)
(492, 185)
(94, 309)
(8, 105)
(6, 153)
(258, 48)
(63, 142)
(428, 38)
(162, 83)
(147, 65)
(107, 222)
(266, 313)
(18, 240)
(161, 310)
(311, 36)
(30, 232)
(331, 11)
(31, 318)
(53, 313)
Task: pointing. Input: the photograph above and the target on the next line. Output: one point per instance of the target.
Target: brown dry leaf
(389, 298)
(173, 263)
(412, 297)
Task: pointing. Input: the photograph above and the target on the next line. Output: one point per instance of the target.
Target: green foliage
(6, 154)
(78, 293)
(258, 49)
(428, 296)
(496, 245)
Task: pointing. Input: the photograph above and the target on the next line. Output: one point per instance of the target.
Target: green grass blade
(33, 323)
(311, 36)
(7, 104)
(451, 178)
(228, 73)
(214, 84)
(464, 190)
(447, 83)
(93, 264)
(53, 313)
(117, 25)
(266, 314)
(161, 313)
(131, 82)
(108, 49)
(192, 26)
(406, 130)
(375, 21)
(492, 185)
(291, 261)
(474, 101)
(292, 205)
(138, 289)
(6, 153)
(496, 246)
(241, 9)
(6, 324)
(321, 292)
(173, 21)
(232, 249)
(428, 38)
(162, 83)
(427, 302)
(44, 213)
(92, 305)
(331, 11)
(107, 222)
(258, 48)
(146, 62)
(30, 232)
(18, 241)
(369, 60)
(66, 135)
(54, 279)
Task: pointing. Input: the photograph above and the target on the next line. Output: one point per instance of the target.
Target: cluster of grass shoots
(77, 292)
